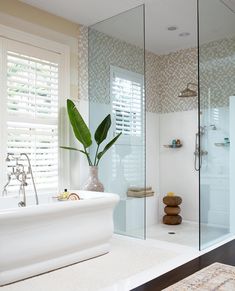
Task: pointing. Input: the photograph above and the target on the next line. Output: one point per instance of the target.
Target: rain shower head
(188, 92)
(230, 4)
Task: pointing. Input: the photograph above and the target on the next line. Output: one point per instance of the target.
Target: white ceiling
(86, 12)
(159, 15)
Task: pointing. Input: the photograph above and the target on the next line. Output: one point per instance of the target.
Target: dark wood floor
(224, 254)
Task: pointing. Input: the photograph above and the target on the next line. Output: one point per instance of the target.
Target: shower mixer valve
(200, 152)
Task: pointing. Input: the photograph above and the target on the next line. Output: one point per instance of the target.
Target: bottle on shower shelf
(174, 143)
(226, 141)
(178, 142)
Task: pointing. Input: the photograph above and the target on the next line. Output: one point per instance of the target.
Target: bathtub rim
(103, 199)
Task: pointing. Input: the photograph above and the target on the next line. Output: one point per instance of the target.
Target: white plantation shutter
(215, 115)
(127, 102)
(128, 161)
(40, 142)
(32, 101)
(32, 87)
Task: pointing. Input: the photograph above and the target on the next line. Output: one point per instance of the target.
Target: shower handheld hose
(199, 153)
(197, 156)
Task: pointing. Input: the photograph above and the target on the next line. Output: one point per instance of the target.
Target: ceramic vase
(93, 183)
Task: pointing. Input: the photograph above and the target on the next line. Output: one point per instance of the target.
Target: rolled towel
(139, 189)
(140, 194)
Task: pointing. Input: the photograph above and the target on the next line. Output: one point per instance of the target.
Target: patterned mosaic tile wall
(217, 73)
(177, 69)
(166, 75)
(153, 82)
(83, 63)
(105, 51)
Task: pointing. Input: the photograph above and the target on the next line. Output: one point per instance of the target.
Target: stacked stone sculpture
(172, 210)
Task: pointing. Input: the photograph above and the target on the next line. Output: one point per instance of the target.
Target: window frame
(10, 35)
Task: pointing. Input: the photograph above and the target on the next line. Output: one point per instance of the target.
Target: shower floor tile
(186, 233)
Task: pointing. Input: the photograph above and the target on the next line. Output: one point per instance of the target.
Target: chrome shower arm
(192, 84)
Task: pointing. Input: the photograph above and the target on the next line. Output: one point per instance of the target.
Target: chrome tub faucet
(18, 171)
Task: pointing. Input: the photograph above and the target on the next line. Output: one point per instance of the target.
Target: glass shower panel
(116, 67)
(217, 124)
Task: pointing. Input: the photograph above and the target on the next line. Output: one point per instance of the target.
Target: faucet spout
(4, 192)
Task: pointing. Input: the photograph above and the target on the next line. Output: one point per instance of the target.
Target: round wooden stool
(172, 210)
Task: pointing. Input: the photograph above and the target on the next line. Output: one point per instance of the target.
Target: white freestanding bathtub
(37, 239)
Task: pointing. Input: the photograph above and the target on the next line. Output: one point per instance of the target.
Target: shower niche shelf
(222, 144)
(170, 146)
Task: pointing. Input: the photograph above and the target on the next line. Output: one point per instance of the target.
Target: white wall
(171, 169)
(152, 166)
(215, 168)
(177, 172)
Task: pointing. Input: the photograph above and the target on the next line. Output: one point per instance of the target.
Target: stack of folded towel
(140, 192)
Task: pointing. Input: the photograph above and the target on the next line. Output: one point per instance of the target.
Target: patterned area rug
(216, 277)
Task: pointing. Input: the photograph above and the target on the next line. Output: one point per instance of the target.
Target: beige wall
(28, 13)
(26, 18)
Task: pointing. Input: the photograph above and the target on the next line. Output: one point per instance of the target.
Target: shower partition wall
(116, 86)
(116, 67)
(217, 111)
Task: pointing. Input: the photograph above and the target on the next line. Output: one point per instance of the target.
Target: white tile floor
(130, 263)
(186, 233)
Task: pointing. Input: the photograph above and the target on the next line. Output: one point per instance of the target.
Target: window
(32, 90)
(127, 102)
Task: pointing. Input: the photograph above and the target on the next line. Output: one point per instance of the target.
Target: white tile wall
(152, 166)
(177, 172)
(215, 168)
(172, 169)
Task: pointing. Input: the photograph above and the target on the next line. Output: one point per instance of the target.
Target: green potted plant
(83, 135)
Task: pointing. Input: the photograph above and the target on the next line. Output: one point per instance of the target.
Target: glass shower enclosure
(116, 70)
(217, 119)
(116, 81)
